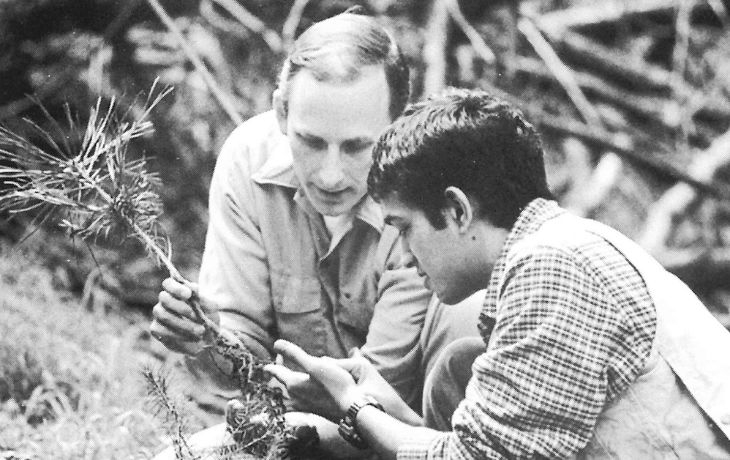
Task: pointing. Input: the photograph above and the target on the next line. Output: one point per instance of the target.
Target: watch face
(348, 424)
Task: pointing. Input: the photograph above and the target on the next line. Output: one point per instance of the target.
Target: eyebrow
(360, 140)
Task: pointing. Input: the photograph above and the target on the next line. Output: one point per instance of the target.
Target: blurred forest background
(632, 98)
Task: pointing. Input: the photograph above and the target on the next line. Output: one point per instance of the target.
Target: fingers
(177, 317)
(173, 341)
(174, 323)
(188, 293)
(177, 289)
(323, 369)
(287, 377)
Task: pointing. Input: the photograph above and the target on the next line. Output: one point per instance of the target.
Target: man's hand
(175, 324)
(344, 379)
(337, 381)
(305, 393)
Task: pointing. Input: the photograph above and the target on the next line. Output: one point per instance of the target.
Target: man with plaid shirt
(590, 348)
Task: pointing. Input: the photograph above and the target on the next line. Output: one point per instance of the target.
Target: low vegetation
(71, 384)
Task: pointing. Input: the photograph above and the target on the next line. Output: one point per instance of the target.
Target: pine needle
(84, 181)
(164, 405)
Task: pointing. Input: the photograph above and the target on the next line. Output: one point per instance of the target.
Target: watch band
(348, 424)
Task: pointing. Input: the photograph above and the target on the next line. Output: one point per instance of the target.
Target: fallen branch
(251, 22)
(434, 48)
(559, 21)
(633, 73)
(595, 184)
(289, 29)
(698, 267)
(676, 201)
(657, 109)
(623, 146)
(223, 99)
(477, 42)
(561, 72)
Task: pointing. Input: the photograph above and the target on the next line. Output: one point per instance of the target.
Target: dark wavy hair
(469, 139)
(337, 48)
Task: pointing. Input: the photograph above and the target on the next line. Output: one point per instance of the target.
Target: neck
(487, 241)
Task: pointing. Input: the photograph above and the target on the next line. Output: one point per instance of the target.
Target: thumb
(356, 364)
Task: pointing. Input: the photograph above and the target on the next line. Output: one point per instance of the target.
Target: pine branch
(84, 181)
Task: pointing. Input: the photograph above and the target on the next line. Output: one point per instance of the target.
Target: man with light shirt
(295, 248)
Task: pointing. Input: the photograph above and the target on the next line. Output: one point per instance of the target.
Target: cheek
(305, 160)
(358, 166)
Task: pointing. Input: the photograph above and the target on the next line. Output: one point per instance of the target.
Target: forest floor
(71, 380)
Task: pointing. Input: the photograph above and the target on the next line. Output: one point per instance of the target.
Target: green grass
(70, 380)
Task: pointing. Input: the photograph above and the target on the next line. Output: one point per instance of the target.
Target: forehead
(355, 108)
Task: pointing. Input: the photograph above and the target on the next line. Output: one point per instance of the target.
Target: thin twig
(251, 22)
(678, 199)
(477, 42)
(561, 72)
(289, 30)
(585, 15)
(434, 48)
(680, 53)
(223, 99)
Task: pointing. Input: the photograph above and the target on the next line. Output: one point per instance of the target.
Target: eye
(313, 143)
(353, 147)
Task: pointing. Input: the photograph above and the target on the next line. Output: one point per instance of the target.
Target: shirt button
(725, 420)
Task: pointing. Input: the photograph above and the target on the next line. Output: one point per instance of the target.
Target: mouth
(331, 195)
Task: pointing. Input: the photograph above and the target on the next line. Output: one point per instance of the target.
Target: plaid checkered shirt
(568, 326)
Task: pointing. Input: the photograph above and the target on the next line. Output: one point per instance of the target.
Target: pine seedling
(164, 405)
(83, 180)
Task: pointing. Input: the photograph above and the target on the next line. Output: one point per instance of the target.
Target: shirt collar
(532, 217)
(278, 169)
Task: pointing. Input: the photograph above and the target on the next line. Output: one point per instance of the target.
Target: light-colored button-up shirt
(270, 265)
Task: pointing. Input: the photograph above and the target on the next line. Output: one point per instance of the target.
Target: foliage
(165, 405)
(89, 182)
(98, 192)
(69, 381)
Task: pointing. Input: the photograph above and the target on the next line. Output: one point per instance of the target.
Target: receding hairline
(344, 80)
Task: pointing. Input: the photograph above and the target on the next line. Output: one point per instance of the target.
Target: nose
(331, 172)
(407, 260)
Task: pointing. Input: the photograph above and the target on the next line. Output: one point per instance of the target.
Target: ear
(280, 109)
(459, 209)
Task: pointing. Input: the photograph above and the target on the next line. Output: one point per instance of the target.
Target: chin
(333, 211)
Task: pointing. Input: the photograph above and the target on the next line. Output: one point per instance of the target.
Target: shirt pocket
(297, 303)
(354, 316)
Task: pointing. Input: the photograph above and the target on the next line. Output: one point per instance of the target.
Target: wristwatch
(348, 423)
